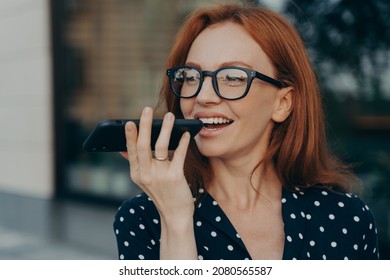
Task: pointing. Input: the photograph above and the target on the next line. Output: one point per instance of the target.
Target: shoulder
(318, 197)
(330, 206)
(136, 209)
(333, 219)
(137, 229)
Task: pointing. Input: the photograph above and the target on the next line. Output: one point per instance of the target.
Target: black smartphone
(109, 135)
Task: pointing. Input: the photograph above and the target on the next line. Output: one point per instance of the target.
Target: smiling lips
(215, 123)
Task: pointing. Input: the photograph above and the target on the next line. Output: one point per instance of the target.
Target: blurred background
(66, 65)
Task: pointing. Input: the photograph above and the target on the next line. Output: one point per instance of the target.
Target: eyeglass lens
(231, 83)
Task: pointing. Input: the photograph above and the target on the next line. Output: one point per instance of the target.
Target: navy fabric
(319, 223)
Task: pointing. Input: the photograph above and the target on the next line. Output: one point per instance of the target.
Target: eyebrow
(227, 63)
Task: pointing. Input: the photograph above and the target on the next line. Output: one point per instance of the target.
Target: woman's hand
(161, 178)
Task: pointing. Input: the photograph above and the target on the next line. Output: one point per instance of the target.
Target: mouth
(215, 123)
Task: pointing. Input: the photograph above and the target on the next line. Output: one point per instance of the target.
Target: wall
(26, 152)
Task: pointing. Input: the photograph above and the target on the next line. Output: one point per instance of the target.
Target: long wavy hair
(297, 147)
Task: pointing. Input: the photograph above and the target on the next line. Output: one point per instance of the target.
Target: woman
(264, 184)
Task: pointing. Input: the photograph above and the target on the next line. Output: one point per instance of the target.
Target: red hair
(297, 146)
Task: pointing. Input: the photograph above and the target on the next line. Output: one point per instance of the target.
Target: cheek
(260, 104)
(186, 106)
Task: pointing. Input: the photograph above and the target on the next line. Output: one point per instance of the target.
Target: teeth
(214, 120)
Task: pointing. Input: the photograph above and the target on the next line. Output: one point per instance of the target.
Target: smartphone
(109, 135)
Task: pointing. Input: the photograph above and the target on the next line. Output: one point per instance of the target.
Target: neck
(244, 183)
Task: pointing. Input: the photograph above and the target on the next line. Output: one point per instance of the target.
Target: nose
(207, 94)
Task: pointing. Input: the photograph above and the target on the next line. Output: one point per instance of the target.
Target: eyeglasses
(229, 83)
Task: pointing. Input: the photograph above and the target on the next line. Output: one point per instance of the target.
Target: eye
(190, 77)
(235, 79)
(232, 77)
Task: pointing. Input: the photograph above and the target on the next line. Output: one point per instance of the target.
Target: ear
(284, 104)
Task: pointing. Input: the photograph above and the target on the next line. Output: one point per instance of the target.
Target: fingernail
(146, 111)
(129, 126)
(169, 116)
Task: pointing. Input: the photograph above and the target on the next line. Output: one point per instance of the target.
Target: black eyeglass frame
(213, 74)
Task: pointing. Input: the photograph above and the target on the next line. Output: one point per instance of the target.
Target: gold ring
(161, 158)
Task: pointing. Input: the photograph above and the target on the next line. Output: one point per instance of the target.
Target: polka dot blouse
(319, 223)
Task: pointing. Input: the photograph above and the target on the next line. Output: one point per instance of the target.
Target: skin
(234, 151)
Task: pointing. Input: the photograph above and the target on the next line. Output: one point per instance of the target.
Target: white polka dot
(317, 203)
(213, 234)
(370, 226)
(341, 204)
(349, 195)
(323, 257)
(331, 216)
(215, 203)
(141, 257)
(132, 211)
(126, 244)
(198, 223)
(344, 230)
(292, 216)
(201, 190)
(206, 248)
(122, 257)
(200, 257)
(117, 231)
(324, 193)
(218, 219)
(238, 236)
(308, 254)
(356, 219)
(199, 205)
(308, 217)
(141, 226)
(284, 200)
(121, 219)
(289, 239)
(356, 247)
(345, 258)
(322, 229)
(155, 221)
(153, 242)
(150, 248)
(303, 215)
(365, 247)
(364, 236)
(230, 247)
(295, 196)
(143, 208)
(312, 243)
(300, 235)
(333, 244)
(132, 233)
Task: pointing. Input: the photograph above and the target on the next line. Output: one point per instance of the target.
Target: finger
(131, 144)
(125, 155)
(181, 151)
(162, 143)
(144, 136)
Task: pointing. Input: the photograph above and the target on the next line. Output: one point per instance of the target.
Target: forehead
(224, 42)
